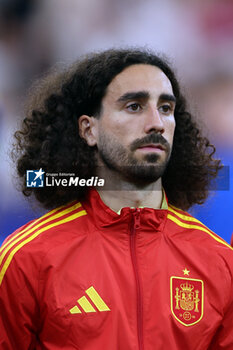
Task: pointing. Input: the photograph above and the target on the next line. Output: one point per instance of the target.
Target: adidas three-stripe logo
(87, 306)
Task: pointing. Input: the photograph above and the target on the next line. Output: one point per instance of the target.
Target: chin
(146, 173)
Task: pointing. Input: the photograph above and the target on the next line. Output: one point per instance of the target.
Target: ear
(88, 129)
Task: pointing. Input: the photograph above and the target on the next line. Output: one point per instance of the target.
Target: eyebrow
(144, 95)
(167, 97)
(133, 96)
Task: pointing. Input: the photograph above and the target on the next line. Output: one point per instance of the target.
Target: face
(134, 133)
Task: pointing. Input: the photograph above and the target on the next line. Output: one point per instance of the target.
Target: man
(124, 268)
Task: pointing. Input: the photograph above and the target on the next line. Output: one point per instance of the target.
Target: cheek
(116, 130)
(170, 129)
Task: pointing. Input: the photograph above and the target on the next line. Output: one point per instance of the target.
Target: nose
(153, 122)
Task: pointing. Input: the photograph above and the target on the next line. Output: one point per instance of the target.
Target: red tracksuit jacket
(83, 277)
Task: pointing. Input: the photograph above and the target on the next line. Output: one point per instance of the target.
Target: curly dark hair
(49, 136)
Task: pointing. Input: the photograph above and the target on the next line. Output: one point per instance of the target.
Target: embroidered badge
(187, 299)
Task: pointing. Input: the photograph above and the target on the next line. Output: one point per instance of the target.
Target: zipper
(135, 227)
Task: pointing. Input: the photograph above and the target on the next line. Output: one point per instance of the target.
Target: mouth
(152, 147)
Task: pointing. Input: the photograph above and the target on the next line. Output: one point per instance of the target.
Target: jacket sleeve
(18, 306)
(223, 339)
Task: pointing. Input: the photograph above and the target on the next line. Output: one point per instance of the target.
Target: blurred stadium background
(196, 35)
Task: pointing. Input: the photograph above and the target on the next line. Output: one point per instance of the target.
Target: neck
(119, 192)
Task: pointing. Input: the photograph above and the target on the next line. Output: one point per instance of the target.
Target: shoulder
(31, 242)
(57, 220)
(181, 220)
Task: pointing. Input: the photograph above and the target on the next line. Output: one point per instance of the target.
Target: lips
(152, 146)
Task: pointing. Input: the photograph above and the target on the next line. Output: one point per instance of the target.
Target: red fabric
(136, 262)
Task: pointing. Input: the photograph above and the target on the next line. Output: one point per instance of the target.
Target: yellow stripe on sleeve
(192, 219)
(184, 217)
(27, 232)
(29, 239)
(200, 228)
(50, 213)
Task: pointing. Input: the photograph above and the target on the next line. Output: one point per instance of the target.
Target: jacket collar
(103, 216)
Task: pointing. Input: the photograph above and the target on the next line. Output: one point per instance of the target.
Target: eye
(134, 107)
(166, 109)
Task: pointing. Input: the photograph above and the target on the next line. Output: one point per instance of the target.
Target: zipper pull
(136, 215)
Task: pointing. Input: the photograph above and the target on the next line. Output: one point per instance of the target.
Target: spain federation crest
(187, 300)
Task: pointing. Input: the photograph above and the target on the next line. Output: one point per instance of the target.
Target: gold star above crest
(186, 272)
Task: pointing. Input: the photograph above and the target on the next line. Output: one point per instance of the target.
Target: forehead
(139, 77)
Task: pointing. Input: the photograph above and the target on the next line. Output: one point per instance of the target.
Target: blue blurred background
(196, 35)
